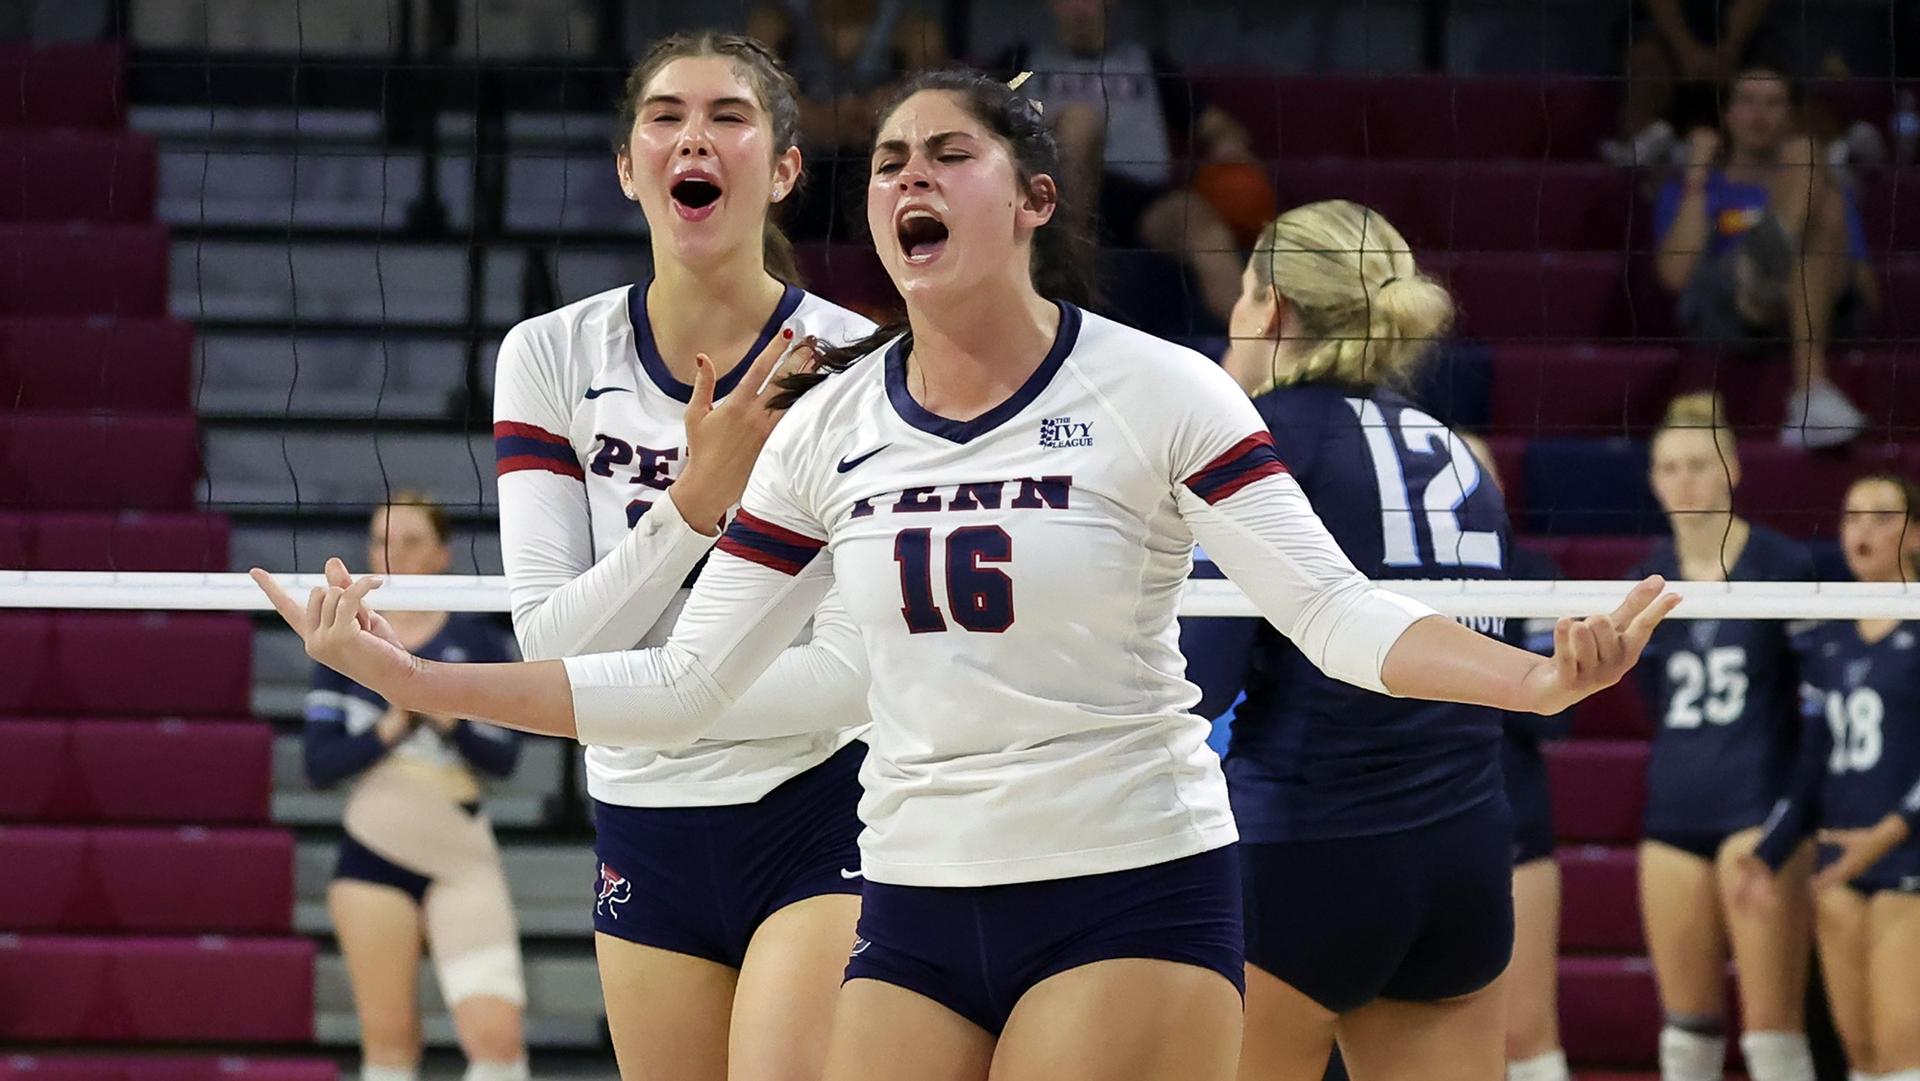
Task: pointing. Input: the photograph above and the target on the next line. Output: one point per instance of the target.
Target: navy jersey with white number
(1861, 757)
(1724, 698)
(1312, 757)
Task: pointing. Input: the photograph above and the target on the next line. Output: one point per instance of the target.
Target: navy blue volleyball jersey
(1724, 698)
(1860, 760)
(339, 740)
(1312, 757)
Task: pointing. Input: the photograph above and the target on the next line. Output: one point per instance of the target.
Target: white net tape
(488, 593)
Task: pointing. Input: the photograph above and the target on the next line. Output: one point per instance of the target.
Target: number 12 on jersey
(979, 597)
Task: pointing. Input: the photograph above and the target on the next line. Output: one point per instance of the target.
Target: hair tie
(1386, 283)
(1014, 84)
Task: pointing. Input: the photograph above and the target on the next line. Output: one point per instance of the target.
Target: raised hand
(1592, 654)
(371, 620)
(724, 438)
(330, 626)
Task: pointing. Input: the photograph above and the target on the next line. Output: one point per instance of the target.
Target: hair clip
(1019, 80)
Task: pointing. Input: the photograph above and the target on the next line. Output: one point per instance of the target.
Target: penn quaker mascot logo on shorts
(615, 891)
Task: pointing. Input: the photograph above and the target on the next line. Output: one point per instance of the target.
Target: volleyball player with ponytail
(625, 425)
(1376, 840)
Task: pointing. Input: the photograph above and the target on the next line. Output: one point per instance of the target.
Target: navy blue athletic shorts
(976, 950)
(701, 880)
(1417, 915)
(1532, 809)
(1700, 844)
(362, 864)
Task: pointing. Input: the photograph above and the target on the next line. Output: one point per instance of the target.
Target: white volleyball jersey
(589, 435)
(1016, 581)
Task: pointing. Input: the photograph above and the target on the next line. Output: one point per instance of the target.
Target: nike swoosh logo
(844, 873)
(595, 392)
(848, 465)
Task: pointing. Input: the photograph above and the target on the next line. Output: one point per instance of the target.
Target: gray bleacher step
(551, 886)
(276, 376)
(351, 184)
(306, 546)
(519, 802)
(397, 281)
(563, 1004)
(286, 469)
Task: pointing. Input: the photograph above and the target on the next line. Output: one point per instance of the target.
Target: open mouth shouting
(922, 235)
(694, 195)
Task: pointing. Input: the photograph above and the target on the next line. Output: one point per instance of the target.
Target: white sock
(1900, 1075)
(1862, 1075)
(370, 1072)
(497, 1071)
(1551, 1066)
(1689, 1056)
(1777, 1056)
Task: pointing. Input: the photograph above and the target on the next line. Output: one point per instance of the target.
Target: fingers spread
(703, 381)
(761, 372)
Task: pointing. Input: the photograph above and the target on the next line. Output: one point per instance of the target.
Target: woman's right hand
(329, 625)
(1703, 148)
(724, 438)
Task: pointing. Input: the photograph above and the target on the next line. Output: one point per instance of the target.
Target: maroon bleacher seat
(129, 541)
(181, 879)
(1582, 389)
(57, 461)
(1565, 297)
(17, 532)
(1609, 1012)
(1420, 116)
(124, 989)
(149, 664)
(1600, 901)
(77, 176)
(100, 363)
(21, 1067)
(1619, 712)
(1593, 558)
(1599, 789)
(35, 777)
(1800, 494)
(61, 86)
(26, 641)
(79, 269)
(96, 771)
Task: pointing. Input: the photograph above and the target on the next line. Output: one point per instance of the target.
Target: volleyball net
(260, 265)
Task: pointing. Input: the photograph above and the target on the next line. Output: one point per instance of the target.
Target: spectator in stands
(1678, 54)
(1724, 698)
(846, 56)
(1122, 112)
(417, 863)
(1757, 238)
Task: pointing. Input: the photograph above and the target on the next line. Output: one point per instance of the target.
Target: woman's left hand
(1592, 654)
(1859, 849)
(330, 624)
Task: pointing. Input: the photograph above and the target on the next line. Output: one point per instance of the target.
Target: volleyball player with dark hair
(625, 425)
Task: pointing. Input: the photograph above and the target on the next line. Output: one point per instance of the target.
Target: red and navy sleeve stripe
(522, 446)
(769, 545)
(1243, 463)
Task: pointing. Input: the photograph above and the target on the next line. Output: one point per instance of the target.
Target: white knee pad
(497, 1071)
(369, 1072)
(1689, 1056)
(1777, 1056)
(1551, 1066)
(491, 971)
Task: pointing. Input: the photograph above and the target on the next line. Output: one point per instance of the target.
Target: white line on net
(153, 591)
